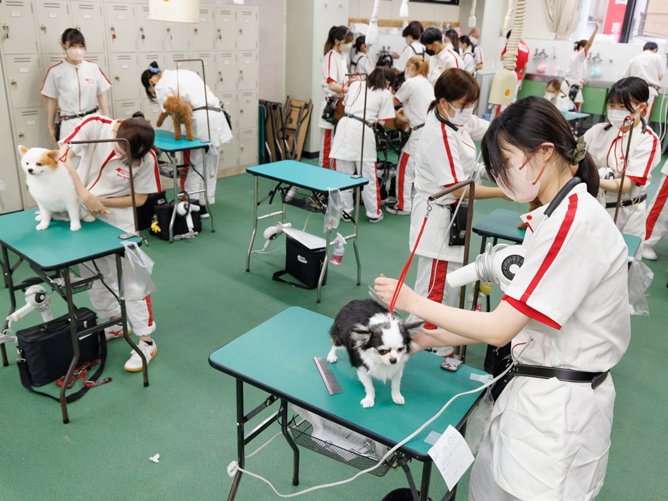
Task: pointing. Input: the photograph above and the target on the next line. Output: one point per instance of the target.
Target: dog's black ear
(413, 326)
(360, 333)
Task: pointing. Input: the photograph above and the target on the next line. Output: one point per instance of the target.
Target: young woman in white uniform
(347, 146)
(557, 97)
(445, 155)
(412, 34)
(361, 62)
(576, 67)
(416, 94)
(649, 66)
(468, 58)
(607, 143)
(160, 85)
(442, 56)
(75, 86)
(102, 180)
(333, 77)
(567, 308)
(474, 36)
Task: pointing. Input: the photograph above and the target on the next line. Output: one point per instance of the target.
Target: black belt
(210, 108)
(418, 127)
(567, 375)
(358, 119)
(80, 115)
(627, 203)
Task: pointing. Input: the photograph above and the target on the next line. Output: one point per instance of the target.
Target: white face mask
(461, 117)
(551, 96)
(75, 53)
(617, 117)
(346, 47)
(474, 40)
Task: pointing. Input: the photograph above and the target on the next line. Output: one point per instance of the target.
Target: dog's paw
(398, 398)
(75, 226)
(42, 226)
(38, 217)
(331, 358)
(367, 402)
(89, 218)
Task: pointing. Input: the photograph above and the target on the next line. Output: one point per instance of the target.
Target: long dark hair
(626, 90)
(413, 29)
(139, 134)
(454, 38)
(378, 78)
(341, 33)
(73, 36)
(358, 43)
(454, 84)
(526, 124)
(146, 76)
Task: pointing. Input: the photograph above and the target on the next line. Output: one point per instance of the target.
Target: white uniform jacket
(438, 63)
(348, 137)
(362, 64)
(445, 155)
(416, 94)
(575, 74)
(554, 436)
(468, 62)
(561, 101)
(332, 69)
(190, 87)
(648, 66)
(103, 172)
(477, 55)
(414, 49)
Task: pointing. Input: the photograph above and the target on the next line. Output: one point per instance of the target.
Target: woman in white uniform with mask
(361, 62)
(415, 94)
(411, 34)
(102, 180)
(445, 155)
(566, 313)
(74, 86)
(160, 85)
(468, 58)
(442, 55)
(607, 143)
(347, 146)
(474, 36)
(332, 78)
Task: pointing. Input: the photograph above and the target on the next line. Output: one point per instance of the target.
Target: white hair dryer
(36, 299)
(185, 209)
(499, 264)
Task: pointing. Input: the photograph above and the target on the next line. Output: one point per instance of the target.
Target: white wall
(389, 9)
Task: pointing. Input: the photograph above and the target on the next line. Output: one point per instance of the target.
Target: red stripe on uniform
(530, 312)
(98, 67)
(102, 168)
(400, 183)
(326, 148)
(76, 131)
(150, 310)
(439, 270)
(45, 76)
(453, 55)
(660, 202)
(648, 167)
(447, 149)
(329, 68)
(156, 171)
(555, 248)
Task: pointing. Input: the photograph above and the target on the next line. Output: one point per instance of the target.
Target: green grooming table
(284, 367)
(54, 251)
(164, 140)
(317, 180)
(574, 115)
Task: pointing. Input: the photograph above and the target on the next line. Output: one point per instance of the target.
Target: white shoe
(377, 219)
(134, 364)
(397, 211)
(648, 253)
(115, 332)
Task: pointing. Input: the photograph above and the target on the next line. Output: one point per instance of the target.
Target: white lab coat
(442, 61)
(561, 101)
(414, 49)
(362, 64)
(416, 94)
(575, 74)
(549, 439)
(332, 69)
(650, 67)
(444, 157)
(468, 62)
(477, 55)
(608, 148)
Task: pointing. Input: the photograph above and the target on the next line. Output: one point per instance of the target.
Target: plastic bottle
(291, 193)
(337, 254)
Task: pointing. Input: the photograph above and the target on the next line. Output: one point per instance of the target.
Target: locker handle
(5, 30)
(42, 28)
(195, 30)
(13, 82)
(241, 147)
(220, 74)
(21, 134)
(117, 78)
(220, 34)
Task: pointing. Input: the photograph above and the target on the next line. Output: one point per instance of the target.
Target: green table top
(501, 223)
(632, 242)
(166, 142)
(574, 115)
(277, 356)
(307, 176)
(58, 247)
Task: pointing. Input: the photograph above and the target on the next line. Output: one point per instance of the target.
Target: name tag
(23, 70)
(124, 66)
(121, 17)
(16, 14)
(53, 16)
(31, 122)
(202, 20)
(87, 16)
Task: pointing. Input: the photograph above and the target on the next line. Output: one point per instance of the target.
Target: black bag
(458, 228)
(501, 366)
(573, 92)
(302, 263)
(403, 494)
(163, 215)
(145, 212)
(330, 109)
(45, 351)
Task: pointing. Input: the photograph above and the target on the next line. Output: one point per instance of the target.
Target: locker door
(125, 72)
(177, 36)
(227, 74)
(152, 112)
(30, 131)
(225, 29)
(151, 33)
(170, 57)
(248, 111)
(11, 196)
(209, 66)
(247, 29)
(247, 70)
(49, 60)
(52, 19)
(87, 17)
(203, 34)
(121, 27)
(125, 109)
(229, 102)
(24, 79)
(146, 58)
(248, 147)
(18, 27)
(230, 155)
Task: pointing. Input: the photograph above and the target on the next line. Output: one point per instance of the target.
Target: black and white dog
(378, 345)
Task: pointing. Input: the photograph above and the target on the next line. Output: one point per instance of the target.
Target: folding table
(50, 254)
(164, 140)
(284, 368)
(318, 181)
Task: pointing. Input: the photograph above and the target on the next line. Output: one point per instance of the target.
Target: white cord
(267, 252)
(307, 218)
(269, 441)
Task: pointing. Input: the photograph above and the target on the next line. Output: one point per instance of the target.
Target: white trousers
(431, 282)
(657, 216)
(326, 136)
(405, 180)
(195, 178)
(370, 192)
(139, 313)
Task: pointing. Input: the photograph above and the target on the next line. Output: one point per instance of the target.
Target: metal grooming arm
(621, 182)
(206, 99)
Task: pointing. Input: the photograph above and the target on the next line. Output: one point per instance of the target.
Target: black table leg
(241, 453)
(75, 344)
(286, 433)
(9, 283)
(426, 480)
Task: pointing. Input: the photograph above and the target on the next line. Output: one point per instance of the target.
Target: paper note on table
(452, 456)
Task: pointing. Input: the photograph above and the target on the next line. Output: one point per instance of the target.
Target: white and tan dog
(52, 187)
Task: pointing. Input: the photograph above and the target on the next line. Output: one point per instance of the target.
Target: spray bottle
(337, 254)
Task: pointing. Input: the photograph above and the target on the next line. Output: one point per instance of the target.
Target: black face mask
(430, 52)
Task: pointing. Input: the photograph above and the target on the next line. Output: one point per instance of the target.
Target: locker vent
(247, 13)
(125, 57)
(226, 12)
(49, 5)
(127, 105)
(30, 113)
(145, 9)
(23, 59)
(13, 3)
(247, 54)
(120, 7)
(84, 6)
(203, 11)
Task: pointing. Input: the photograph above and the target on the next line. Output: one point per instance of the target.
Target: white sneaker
(397, 211)
(648, 253)
(134, 364)
(377, 219)
(115, 332)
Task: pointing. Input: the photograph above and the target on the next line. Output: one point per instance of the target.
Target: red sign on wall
(614, 18)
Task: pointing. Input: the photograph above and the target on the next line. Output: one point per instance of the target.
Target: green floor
(205, 299)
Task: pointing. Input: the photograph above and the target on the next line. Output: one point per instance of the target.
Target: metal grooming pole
(626, 162)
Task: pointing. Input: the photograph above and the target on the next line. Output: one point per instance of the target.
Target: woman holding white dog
(160, 85)
(102, 181)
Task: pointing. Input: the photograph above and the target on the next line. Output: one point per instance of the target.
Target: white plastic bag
(640, 278)
(137, 269)
(478, 423)
(334, 210)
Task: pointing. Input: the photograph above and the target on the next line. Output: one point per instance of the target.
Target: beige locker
(210, 66)
(226, 29)
(30, 128)
(124, 110)
(151, 33)
(227, 75)
(248, 147)
(10, 198)
(88, 18)
(18, 27)
(152, 113)
(171, 57)
(24, 79)
(246, 29)
(52, 19)
(121, 27)
(248, 112)
(177, 36)
(229, 102)
(247, 70)
(203, 34)
(125, 77)
(230, 153)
